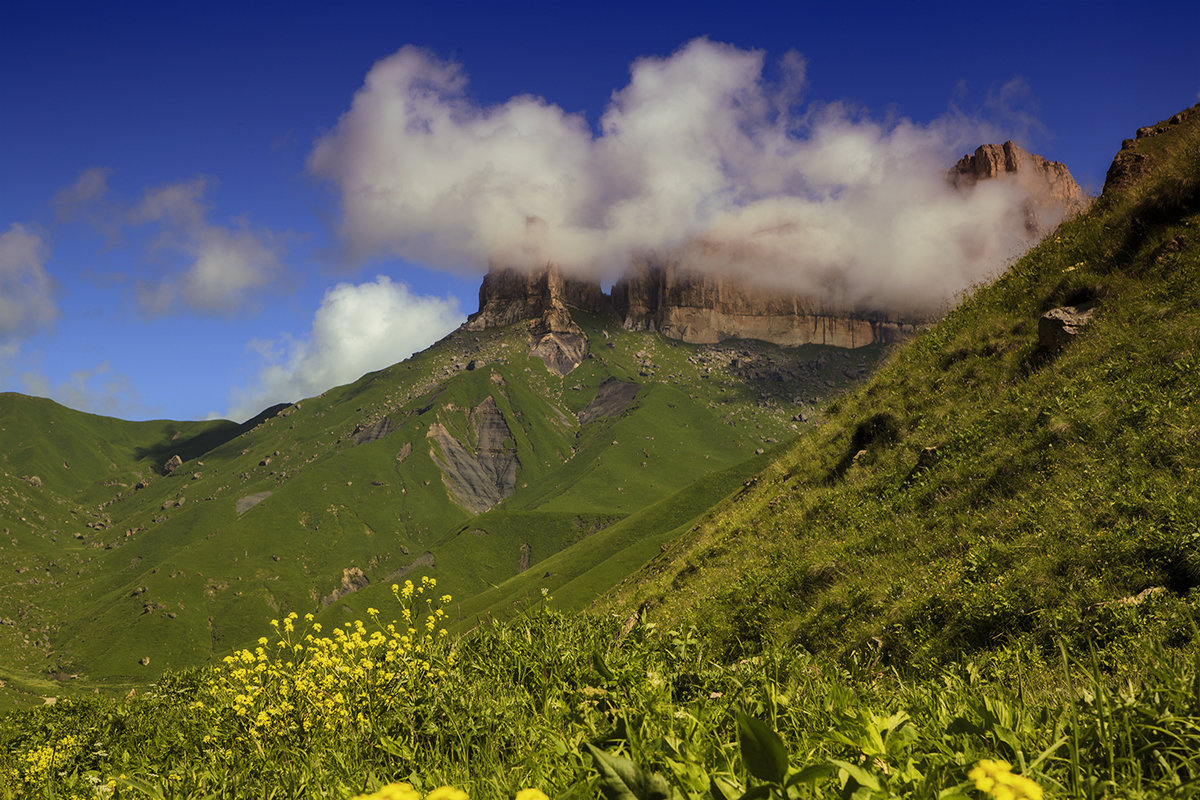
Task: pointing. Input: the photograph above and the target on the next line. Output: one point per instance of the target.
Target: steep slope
(993, 482)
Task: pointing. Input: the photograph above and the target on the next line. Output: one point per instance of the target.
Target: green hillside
(123, 568)
(982, 489)
(976, 576)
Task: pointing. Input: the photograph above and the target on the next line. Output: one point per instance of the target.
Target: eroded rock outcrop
(543, 298)
(508, 295)
(479, 476)
(706, 309)
(1053, 193)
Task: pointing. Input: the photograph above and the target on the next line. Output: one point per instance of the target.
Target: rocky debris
(353, 579)
(248, 502)
(364, 433)
(1053, 194)
(142, 484)
(173, 463)
(611, 400)
(144, 661)
(404, 453)
(480, 477)
(558, 341)
(1058, 326)
(34, 481)
(525, 552)
(700, 308)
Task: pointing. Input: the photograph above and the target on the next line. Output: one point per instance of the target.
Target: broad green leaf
(621, 779)
(860, 775)
(813, 773)
(762, 749)
(601, 667)
(722, 789)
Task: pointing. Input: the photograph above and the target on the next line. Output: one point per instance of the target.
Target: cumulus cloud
(26, 290)
(98, 390)
(225, 266)
(357, 329)
(699, 157)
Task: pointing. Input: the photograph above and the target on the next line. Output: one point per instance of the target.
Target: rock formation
(478, 477)
(1136, 155)
(705, 309)
(665, 295)
(1053, 192)
(543, 298)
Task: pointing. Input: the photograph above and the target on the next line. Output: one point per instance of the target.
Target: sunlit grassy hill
(983, 489)
(467, 462)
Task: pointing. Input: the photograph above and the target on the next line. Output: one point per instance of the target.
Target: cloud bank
(357, 329)
(26, 290)
(699, 154)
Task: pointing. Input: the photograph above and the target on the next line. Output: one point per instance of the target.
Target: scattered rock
(1058, 326)
(34, 481)
(144, 661)
(173, 463)
(353, 579)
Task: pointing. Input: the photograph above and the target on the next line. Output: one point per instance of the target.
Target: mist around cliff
(701, 157)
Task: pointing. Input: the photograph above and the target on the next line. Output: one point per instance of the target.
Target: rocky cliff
(665, 295)
(1053, 192)
(542, 298)
(704, 309)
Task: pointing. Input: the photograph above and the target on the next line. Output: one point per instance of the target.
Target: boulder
(173, 463)
(1058, 326)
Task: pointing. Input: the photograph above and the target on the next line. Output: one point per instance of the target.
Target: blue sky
(174, 244)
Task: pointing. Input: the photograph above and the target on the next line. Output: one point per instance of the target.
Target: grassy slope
(174, 572)
(1062, 483)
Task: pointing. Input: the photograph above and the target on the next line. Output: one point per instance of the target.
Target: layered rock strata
(706, 309)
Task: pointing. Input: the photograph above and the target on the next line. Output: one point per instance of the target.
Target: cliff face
(508, 295)
(1053, 192)
(666, 296)
(542, 298)
(706, 309)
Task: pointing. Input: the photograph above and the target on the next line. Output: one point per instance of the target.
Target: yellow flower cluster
(36, 766)
(996, 778)
(403, 791)
(304, 683)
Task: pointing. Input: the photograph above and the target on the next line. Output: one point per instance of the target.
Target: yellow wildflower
(996, 779)
(531, 794)
(446, 793)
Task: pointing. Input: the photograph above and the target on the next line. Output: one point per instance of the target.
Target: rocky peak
(1053, 192)
(543, 298)
(509, 295)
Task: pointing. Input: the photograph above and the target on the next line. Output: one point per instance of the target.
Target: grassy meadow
(978, 576)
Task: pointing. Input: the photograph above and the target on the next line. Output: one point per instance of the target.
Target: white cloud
(225, 266)
(98, 390)
(26, 290)
(699, 153)
(357, 329)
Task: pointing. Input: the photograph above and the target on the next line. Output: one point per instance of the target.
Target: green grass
(1063, 483)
